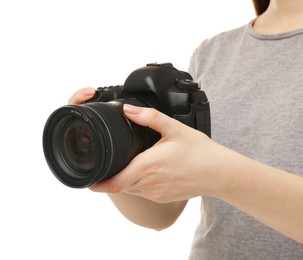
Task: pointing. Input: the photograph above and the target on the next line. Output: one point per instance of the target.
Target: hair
(260, 6)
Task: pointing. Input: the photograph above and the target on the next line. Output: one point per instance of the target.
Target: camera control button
(187, 84)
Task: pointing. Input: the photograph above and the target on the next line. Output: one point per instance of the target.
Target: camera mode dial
(157, 64)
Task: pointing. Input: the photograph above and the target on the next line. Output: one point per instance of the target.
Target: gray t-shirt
(255, 86)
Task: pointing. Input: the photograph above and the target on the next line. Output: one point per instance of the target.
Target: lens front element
(78, 145)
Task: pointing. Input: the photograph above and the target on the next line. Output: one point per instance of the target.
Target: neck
(281, 16)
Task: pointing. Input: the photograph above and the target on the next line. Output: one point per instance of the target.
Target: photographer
(250, 173)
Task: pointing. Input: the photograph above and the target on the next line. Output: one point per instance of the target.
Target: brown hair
(261, 6)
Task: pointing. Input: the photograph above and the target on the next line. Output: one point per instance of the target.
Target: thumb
(151, 118)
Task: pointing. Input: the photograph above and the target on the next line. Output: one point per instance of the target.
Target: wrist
(225, 167)
(239, 175)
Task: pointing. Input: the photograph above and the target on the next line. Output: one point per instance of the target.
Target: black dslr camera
(88, 143)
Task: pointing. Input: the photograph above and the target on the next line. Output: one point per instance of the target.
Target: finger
(82, 95)
(125, 179)
(152, 118)
(115, 184)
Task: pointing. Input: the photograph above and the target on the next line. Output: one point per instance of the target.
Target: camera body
(163, 87)
(87, 143)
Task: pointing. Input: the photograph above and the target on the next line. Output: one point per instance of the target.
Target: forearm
(272, 196)
(145, 212)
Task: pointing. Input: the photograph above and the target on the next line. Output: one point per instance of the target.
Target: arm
(270, 195)
(153, 189)
(185, 163)
(147, 213)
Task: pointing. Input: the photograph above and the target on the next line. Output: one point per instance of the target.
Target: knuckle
(106, 186)
(114, 188)
(154, 115)
(150, 116)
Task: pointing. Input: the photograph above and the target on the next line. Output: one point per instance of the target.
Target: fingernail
(131, 109)
(89, 91)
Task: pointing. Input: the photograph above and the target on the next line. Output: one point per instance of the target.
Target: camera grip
(198, 118)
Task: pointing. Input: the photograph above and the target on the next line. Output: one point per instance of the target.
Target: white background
(49, 49)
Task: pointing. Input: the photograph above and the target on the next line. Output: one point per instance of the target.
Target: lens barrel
(85, 144)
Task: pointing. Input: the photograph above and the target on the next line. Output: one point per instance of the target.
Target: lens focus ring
(119, 134)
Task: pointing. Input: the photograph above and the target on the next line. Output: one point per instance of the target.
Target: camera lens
(84, 144)
(78, 145)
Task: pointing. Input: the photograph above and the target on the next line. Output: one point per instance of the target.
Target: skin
(281, 16)
(154, 188)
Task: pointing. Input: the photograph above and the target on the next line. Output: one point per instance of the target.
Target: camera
(87, 143)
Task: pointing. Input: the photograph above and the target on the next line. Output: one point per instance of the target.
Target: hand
(179, 166)
(82, 95)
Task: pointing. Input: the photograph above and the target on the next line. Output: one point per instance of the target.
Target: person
(250, 173)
